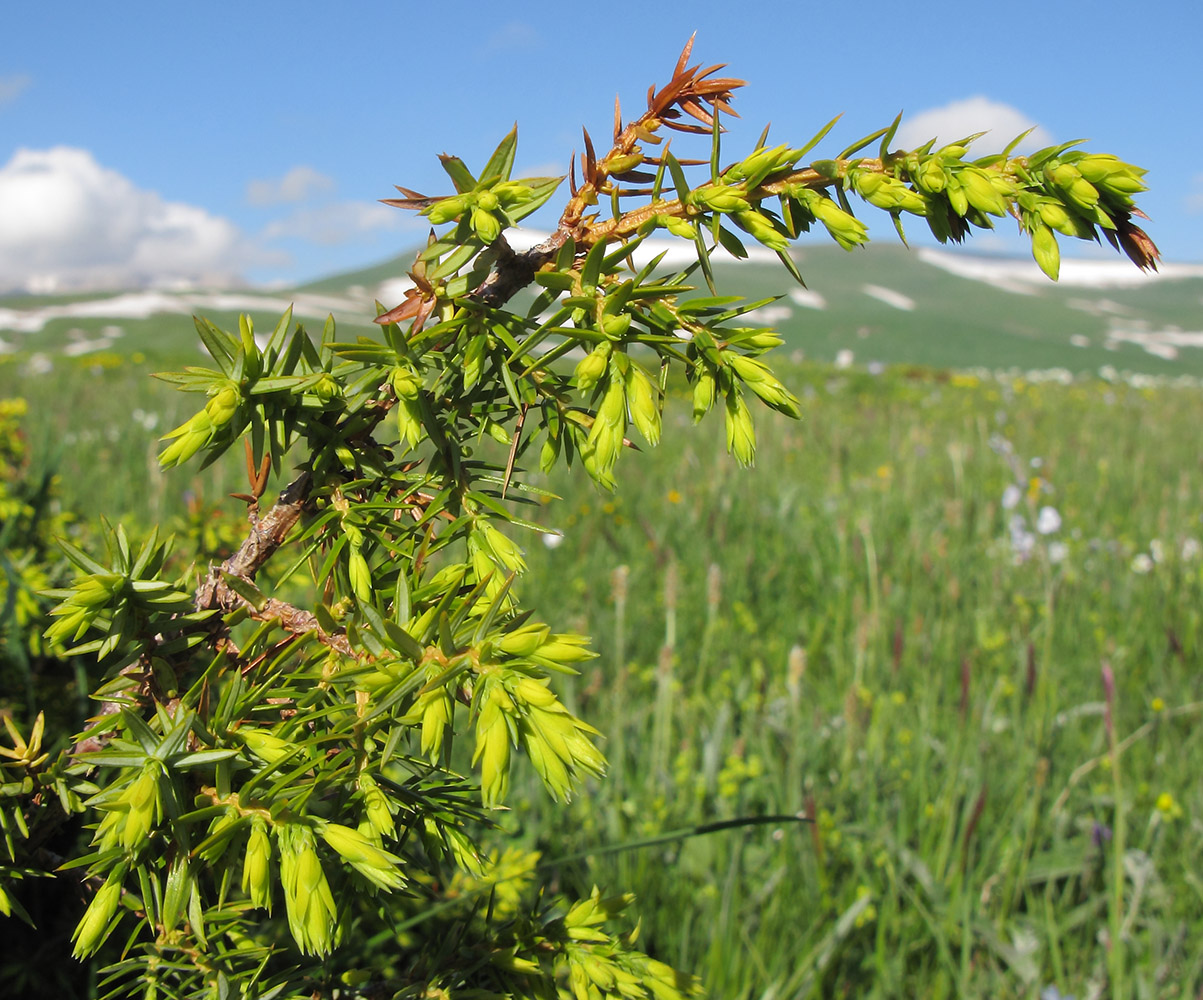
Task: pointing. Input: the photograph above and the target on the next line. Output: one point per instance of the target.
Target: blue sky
(152, 142)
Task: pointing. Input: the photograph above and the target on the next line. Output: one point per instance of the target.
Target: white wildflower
(1048, 520)
(1023, 542)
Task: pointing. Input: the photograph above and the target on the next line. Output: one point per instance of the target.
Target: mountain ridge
(885, 304)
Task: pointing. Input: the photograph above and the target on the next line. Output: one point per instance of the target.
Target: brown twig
(267, 534)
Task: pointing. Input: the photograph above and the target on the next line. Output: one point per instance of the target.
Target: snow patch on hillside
(769, 315)
(807, 298)
(1024, 277)
(1164, 343)
(142, 305)
(677, 252)
(895, 300)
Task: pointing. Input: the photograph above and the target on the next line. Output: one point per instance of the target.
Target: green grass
(845, 632)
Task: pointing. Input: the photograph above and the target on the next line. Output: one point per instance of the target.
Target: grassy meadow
(955, 619)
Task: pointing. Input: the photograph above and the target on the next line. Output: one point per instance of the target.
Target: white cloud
(962, 118)
(11, 87)
(71, 223)
(340, 222)
(300, 184)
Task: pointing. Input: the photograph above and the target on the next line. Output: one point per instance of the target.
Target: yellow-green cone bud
(616, 327)
(510, 193)
(720, 198)
(493, 749)
(141, 800)
(377, 865)
(548, 454)
(504, 550)
(1046, 252)
(980, 192)
(955, 192)
(312, 915)
(907, 200)
(523, 641)
(1064, 175)
(643, 404)
(406, 382)
(621, 164)
(757, 377)
(1079, 190)
(679, 227)
(930, 176)
(592, 366)
(867, 183)
(756, 225)
(847, 230)
(485, 224)
(190, 437)
(532, 692)
(222, 407)
(703, 394)
(606, 435)
(360, 576)
(409, 422)
(1111, 174)
(1097, 167)
(1054, 215)
(446, 209)
(256, 866)
(564, 648)
(437, 709)
(755, 338)
(551, 769)
(266, 746)
(376, 807)
(474, 355)
(741, 435)
(97, 920)
(1084, 194)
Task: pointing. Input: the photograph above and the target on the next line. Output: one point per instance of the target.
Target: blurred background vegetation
(897, 623)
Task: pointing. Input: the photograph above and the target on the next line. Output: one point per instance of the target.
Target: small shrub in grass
(289, 788)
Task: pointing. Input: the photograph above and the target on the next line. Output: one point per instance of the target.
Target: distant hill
(887, 304)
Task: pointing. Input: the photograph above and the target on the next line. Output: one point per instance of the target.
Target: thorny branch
(690, 91)
(267, 534)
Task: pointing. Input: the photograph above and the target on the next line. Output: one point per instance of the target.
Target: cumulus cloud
(70, 222)
(339, 222)
(973, 114)
(300, 184)
(11, 87)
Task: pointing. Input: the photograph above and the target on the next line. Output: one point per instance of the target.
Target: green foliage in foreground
(888, 495)
(276, 794)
